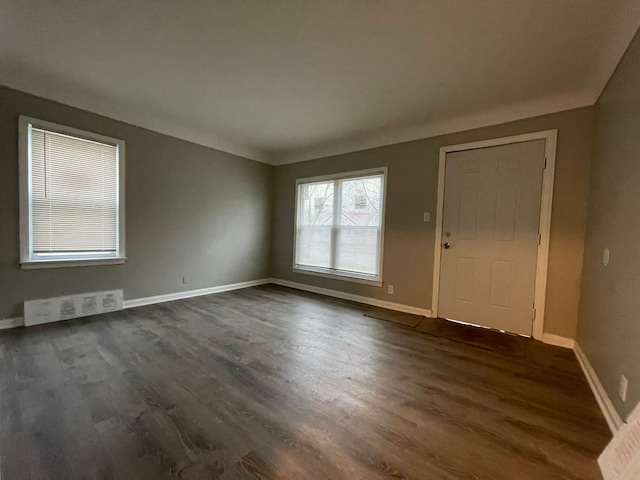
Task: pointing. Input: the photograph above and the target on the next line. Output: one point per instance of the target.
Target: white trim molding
(169, 297)
(550, 137)
(604, 402)
(30, 259)
(139, 302)
(336, 275)
(333, 271)
(558, 341)
(118, 111)
(488, 118)
(7, 323)
(398, 307)
(31, 265)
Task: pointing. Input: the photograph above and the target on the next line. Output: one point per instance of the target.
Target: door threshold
(486, 328)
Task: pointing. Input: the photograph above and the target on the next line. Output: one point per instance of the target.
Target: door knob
(447, 246)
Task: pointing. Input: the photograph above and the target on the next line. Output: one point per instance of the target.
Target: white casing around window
(328, 264)
(71, 196)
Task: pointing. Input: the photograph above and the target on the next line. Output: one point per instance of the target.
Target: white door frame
(550, 137)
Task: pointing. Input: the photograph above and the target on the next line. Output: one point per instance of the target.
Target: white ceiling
(284, 80)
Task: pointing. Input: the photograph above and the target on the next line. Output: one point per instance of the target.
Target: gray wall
(412, 190)
(609, 326)
(190, 210)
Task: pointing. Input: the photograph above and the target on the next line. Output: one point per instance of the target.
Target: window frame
(375, 280)
(55, 260)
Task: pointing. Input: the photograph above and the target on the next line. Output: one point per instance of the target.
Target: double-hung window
(71, 196)
(340, 226)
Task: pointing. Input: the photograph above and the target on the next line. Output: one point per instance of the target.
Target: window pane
(350, 242)
(361, 202)
(74, 194)
(357, 250)
(314, 247)
(316, 203)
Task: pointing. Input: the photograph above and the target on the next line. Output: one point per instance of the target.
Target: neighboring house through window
(340, 225)
(71, 196)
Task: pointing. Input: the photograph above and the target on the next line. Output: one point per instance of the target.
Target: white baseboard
(558, 340)
(139, 302)
(6, 323)
(608, 410)
(354, 298)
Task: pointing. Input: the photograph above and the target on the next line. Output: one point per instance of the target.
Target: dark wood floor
(272, 383)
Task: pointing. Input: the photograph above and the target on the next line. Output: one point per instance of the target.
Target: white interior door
(490, 236)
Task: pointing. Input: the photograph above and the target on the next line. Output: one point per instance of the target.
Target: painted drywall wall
(190, 211)
(412, 190)
(609, 325)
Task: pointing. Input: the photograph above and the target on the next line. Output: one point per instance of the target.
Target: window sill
(347, 277)
(34, 264)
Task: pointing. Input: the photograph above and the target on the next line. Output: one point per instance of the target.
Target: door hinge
(534, 313)
(539, 238)
(545, 163)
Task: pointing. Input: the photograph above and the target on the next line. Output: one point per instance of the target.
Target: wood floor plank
(273, 383)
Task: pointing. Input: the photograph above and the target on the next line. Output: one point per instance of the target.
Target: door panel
(468, 226)
(464, 279)
(501, 281)
(491, 218)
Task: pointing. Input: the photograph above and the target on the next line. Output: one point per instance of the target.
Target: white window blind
(73, 196)
(339, 225)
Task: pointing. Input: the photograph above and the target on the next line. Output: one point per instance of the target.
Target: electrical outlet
(185, 280)
(427, 217)
(390, 289)
(624, 385)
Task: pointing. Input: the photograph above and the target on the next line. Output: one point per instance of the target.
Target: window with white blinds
(73, 194)
(339, 225)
